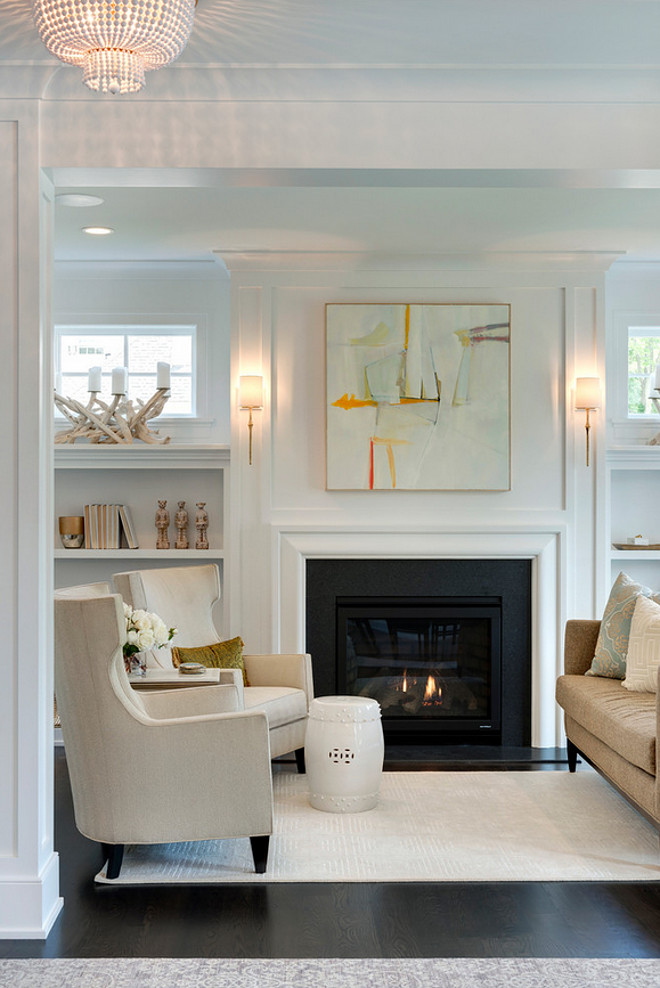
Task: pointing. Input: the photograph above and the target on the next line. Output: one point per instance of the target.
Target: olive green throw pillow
(220, 655)
(612, 646)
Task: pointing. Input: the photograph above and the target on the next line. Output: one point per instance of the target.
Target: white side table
(344, 753)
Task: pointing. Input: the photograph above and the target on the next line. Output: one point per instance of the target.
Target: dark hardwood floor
(536, 919)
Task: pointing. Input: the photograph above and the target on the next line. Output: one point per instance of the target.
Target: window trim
(134, 323)
(626, 428)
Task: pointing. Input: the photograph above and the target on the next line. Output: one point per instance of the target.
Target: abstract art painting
(418, 397)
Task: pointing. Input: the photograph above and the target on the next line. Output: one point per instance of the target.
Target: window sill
(633, 432)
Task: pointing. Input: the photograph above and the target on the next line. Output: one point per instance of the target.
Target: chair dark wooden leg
(300, 760)
(260, 852)
(114, 854)
(572, 753)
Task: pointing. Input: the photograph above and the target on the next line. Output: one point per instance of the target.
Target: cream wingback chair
(280, 685)
(153, 767)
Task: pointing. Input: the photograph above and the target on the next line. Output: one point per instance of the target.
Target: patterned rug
(378, 973)
(430, 827)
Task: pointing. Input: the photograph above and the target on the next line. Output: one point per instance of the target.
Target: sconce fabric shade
(116, 42)
(587, 392)
(251, 391)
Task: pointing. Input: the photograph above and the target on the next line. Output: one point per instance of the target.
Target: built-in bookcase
(138, 476)
(633, 475)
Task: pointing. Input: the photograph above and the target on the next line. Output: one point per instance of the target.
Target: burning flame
(432, 692)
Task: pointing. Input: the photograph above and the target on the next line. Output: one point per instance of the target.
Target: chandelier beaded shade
(115, 41)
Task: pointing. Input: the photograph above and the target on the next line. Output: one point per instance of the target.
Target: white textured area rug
(330, 973)
(430, 827)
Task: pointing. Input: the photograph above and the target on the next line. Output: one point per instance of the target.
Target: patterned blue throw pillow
(612, 646)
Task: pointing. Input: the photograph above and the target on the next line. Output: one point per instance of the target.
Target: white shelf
(87, 554)
(639, 554)
(634, 458)
(140, 456)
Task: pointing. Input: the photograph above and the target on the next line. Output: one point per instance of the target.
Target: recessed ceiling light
(78, 200)
(98, 231)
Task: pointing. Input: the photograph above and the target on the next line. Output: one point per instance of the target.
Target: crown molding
(217, 82)
(492, 260)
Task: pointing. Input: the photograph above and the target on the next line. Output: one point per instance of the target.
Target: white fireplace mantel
(543, 547)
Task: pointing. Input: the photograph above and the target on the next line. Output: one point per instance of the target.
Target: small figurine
(181, 521)
(201, 524)
(162, 525)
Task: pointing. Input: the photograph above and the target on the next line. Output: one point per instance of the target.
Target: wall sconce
(587, 397)
(251, 395)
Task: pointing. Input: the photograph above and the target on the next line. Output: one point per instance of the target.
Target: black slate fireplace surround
(426, 589)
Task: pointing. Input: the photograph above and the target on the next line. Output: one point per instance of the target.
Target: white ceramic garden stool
(344, 753)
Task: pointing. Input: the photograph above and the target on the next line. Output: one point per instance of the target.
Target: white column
(250, 568)
(29, 872)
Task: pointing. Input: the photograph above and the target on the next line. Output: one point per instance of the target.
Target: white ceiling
(605, 40)
(180, 223)
(542, 33)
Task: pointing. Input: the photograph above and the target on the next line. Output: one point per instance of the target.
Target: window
(139, 348)
(643, 358)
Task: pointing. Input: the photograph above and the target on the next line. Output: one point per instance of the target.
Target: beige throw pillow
(643, 648)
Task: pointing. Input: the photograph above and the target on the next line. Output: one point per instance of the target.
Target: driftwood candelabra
(118, 422)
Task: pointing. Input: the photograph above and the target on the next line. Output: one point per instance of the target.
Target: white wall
(194, 292)
(278, 329)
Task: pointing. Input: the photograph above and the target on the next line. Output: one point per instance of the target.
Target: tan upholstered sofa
(612, 728)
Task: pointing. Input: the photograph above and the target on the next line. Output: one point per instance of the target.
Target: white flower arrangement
(144, 630)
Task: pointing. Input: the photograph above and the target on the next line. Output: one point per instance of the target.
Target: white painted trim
(350, 82)
(313, 260)
(634, 457)
(139, 456)
(544, 547)
(23, 899)
(29, 871)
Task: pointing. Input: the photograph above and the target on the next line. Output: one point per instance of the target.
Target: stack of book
(104, 524)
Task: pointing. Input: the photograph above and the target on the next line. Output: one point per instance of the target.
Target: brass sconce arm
(251, 396)
(587, 398)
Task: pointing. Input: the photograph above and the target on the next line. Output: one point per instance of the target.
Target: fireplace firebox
(444, 583)
(433, 663)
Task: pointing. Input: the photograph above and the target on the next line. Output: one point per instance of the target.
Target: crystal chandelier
(115, 41)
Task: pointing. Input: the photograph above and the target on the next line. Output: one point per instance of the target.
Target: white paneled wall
(555, 311)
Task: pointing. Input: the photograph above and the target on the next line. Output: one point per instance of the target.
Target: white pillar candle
(162, 375)
(656, 383)
(119, 380)
(94, 379)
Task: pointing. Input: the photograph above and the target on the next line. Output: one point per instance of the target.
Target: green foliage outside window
(643, 356)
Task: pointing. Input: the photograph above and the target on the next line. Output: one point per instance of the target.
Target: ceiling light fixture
(98, 231)
(77, 200)
(115, 41)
